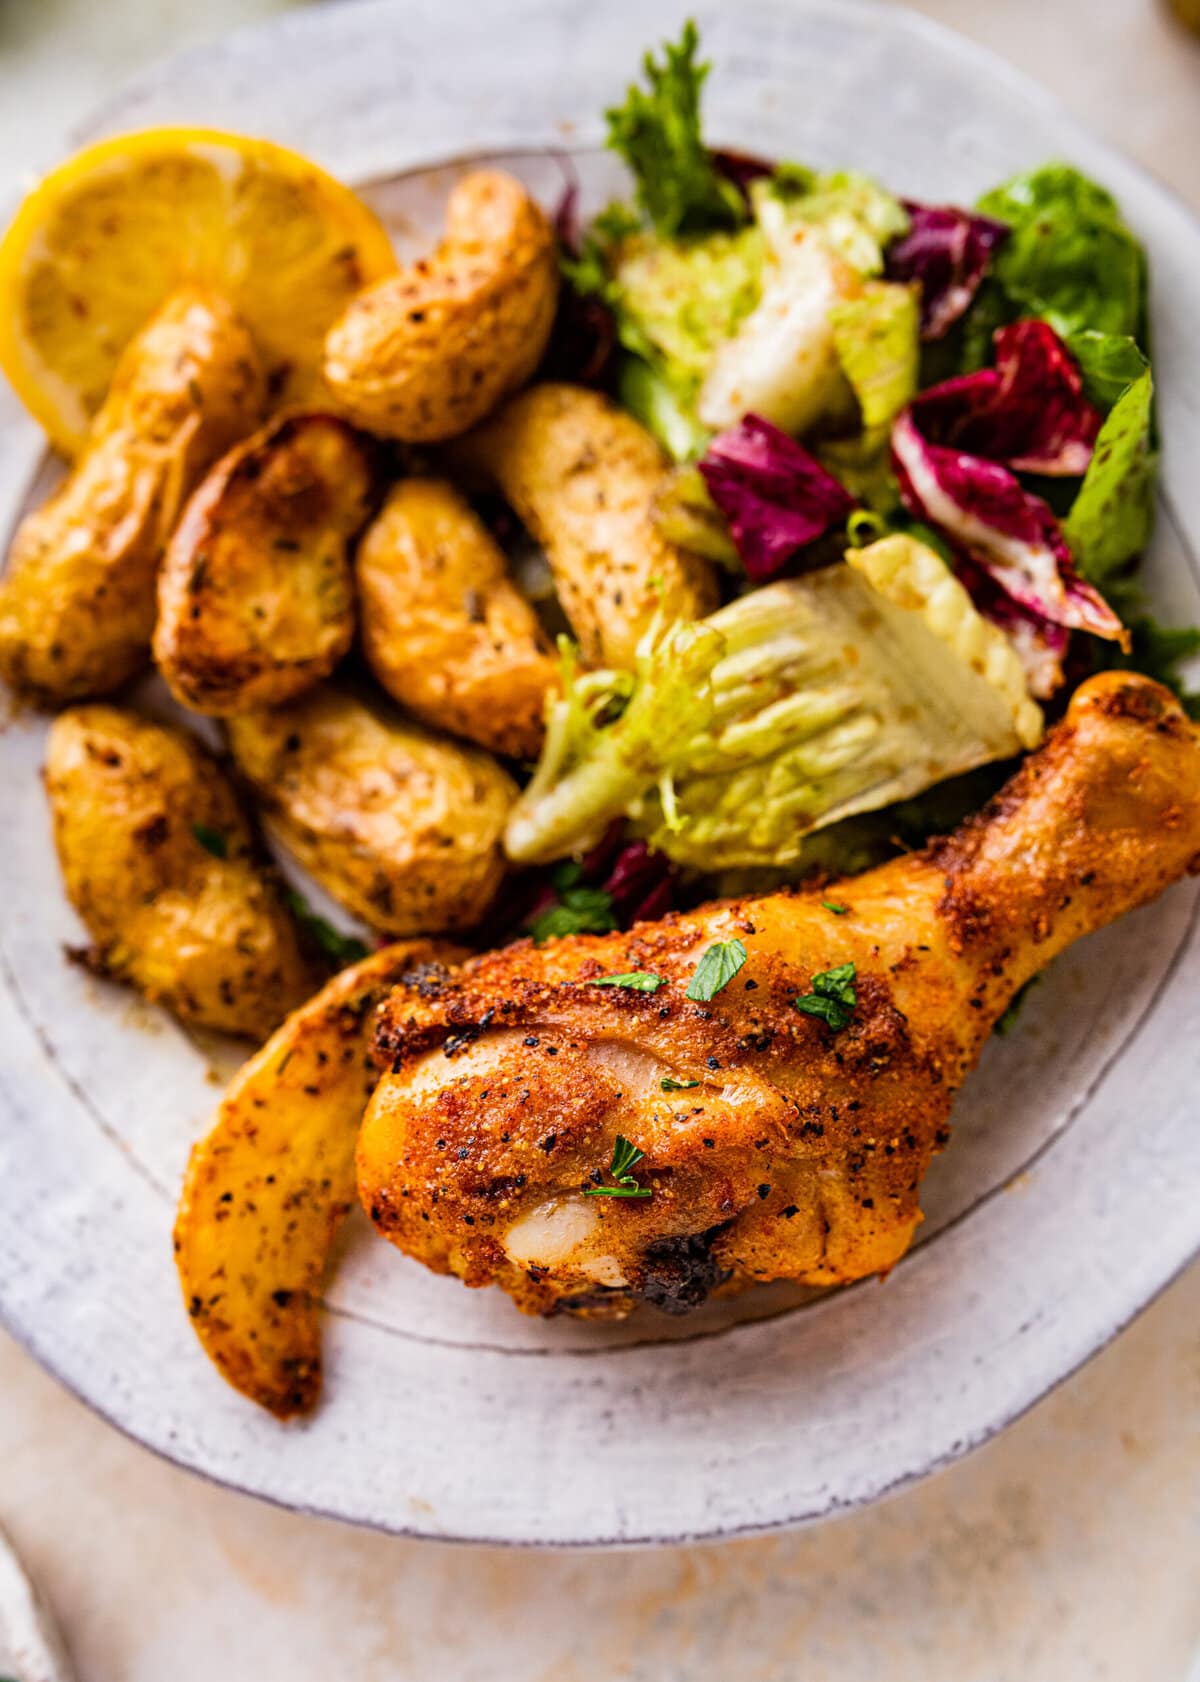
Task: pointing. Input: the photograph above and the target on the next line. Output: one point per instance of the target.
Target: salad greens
(657, 132)
(875, 336)
(1069, 257)
(940, 416)
(1110, 520)
(746, 731)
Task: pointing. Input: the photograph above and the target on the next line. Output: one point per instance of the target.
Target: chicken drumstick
(777, 1145)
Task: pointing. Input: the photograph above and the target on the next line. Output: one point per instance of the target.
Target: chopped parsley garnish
(637, 981)
(625, 1156)
(212, 840)
(716, 969)
(832, 905)
(670, 1084)
(580, 910)
(832, 999)
(343, 949)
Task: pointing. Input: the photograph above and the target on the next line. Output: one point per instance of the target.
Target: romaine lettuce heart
(745, 733)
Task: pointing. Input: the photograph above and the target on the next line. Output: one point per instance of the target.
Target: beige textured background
(1066, 1551)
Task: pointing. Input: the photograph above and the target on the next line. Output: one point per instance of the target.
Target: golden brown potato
(445, 629)
(77, 602)
(426, 353)
(402, 827)
(160, 863)
(582, 475)
(269, 1186)
(256, 595)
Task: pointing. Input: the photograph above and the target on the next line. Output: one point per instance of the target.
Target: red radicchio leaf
(1040, 644)
(584, 335)
(640, 883)
(566, 216)
(775, 496)
(986, 514)
(948, 251)
(1028, 411)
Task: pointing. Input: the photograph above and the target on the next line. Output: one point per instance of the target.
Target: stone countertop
(1068, 1550)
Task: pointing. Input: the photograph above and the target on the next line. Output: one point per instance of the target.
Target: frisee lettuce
(657, 132)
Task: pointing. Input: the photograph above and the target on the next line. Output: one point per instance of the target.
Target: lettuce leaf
(744, 733)
(875, 336)
(782, 363)
(676, 301)
(776, 497)
(648, 393)
(657, 132)
(1111, 519)
(1109, 364)
(948, 251)
(687, 516)
(857, 216)
(1069, 256)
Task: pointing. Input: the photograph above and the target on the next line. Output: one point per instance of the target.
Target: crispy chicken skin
(799, 1153)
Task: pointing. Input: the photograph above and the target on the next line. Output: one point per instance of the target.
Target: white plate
(1069, 1195)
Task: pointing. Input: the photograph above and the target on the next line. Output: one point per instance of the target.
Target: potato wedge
(160, 863)
(582, 475)
(445, 629)
(267, 1189)
(256, 595)
(427, 353)
(402, 827)
(77, 602)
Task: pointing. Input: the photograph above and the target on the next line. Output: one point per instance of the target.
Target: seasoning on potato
(582, 474)
(444, 627)
(402, 827)
(270, 1185)
(77, 603)
(161, 865)
(256, 596)
(425, 354)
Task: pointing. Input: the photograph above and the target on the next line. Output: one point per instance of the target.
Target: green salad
(918, 439)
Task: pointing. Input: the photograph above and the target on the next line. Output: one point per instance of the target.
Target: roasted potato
(77, 602)
(160, 863)
(268, 1188)
(427, 353)
(582, 475)
(444, 628)
(402, 827)
(256, 595)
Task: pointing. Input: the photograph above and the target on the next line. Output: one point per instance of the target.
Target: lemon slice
(103, 239)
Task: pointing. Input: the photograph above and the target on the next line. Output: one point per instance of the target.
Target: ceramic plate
(1069, 1195)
